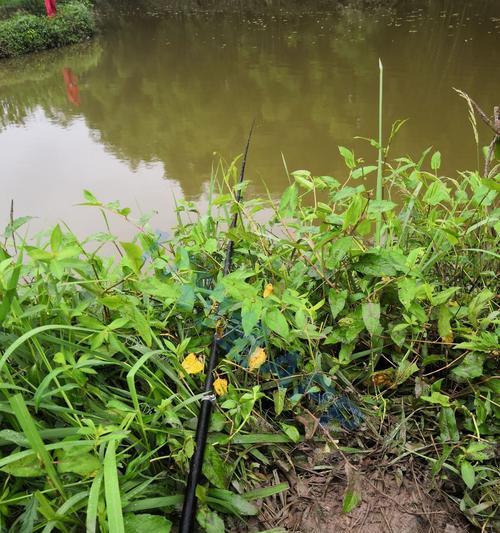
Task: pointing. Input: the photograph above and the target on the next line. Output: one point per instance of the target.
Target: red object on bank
(71, 86)
(50, 6)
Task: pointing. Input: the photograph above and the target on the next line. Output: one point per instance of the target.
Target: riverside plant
(102, 356)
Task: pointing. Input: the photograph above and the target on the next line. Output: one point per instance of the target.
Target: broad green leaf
(289, 201)
(436, 161)
(56, 239)
(376, 207)
(134, 255)
(436, 193)
(444, 326)
(351, 500)
(146, 523)
(337, 251)
(407, 291)
(276, 321)
(251, 311)
(77, 461)
(303, 178)
(25, 467)
(337, 301)
(354, 211)
(448, 425)
(215, 469)
(348, 157)
(291, 432)
(371, 317)
(362, 172)
(210, 521)
(471, 367)
(279, 396)
(468, 474)
(437, 398)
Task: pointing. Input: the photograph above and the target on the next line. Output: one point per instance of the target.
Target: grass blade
(30, 431)
(112, 490)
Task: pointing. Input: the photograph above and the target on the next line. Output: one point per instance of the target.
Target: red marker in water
(50, 6)
(71, 86)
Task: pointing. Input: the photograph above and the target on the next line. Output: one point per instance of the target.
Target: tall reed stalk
(379, 192)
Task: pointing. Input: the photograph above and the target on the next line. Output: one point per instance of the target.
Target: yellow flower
(268, 290)
(257, 359)
(192, 365)
(220, 386)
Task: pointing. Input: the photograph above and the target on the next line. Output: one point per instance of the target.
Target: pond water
(142, 113)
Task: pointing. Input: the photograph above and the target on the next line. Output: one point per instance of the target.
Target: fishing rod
(208, 399)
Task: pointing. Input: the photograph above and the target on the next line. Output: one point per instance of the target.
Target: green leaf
(289, 201)
(351, 500)
(238, 504)
(443, 296)
(134, 255)
(348, 157)
(279, 396)
(362, 172)
(215, 469)
(468, 474)
(251, 311)
(146, 523)
(303, 178)
(437, 398)
(77, 461)
(444, 326)
(471, 367)
(276, 321)
(436, 193)
(448, 425)
(90, 198)
(31, 432)
(93, 504)
(210, 521)
(371, 317)
(338, 251)
(354, 211)
(25, 467)
(352, 494)
(337, 301)
(291, 432)
(29, 516)
(112, 490)
(375, 207)
(56, 239)
(407, 291)
(436, 161)
(376, 264)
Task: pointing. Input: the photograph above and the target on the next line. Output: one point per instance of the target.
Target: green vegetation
(102, 358)
(24, 32)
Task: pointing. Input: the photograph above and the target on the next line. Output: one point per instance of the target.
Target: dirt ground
(400, 498)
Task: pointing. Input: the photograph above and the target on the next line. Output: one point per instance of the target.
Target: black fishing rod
(208, 399)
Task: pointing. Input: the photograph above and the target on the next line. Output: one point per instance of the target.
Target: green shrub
(26, 33)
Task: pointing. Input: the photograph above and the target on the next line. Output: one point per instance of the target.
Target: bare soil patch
(400, 499)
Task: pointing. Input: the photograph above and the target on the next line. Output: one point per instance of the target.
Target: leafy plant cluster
(392, 346)
(26, 32)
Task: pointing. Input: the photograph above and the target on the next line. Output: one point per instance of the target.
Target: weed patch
(328, 339)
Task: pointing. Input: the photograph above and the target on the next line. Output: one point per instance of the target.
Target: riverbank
(25, 30)
(341, 357)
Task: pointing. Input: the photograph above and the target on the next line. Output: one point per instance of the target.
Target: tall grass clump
(393, 347)
(23, 32)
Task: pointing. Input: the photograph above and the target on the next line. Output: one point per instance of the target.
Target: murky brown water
(138, 114)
